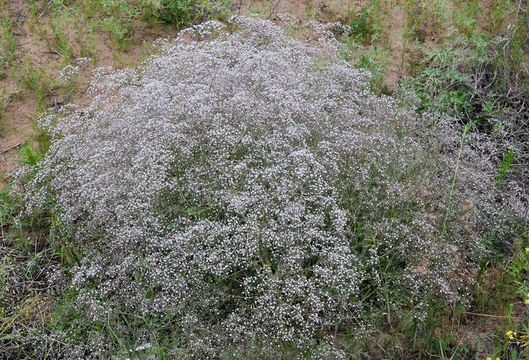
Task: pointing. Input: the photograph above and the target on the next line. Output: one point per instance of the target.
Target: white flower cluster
(253, 191)
(69, 72)
(202, 31)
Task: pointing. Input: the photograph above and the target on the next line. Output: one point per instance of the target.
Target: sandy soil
(322, 10)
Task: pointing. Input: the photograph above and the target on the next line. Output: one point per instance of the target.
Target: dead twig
(273, 9)
(488, 315)
(10, 148)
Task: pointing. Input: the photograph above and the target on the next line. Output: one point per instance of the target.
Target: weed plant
(479, 81)
(8, 45)
(37, 82)
(248, 196)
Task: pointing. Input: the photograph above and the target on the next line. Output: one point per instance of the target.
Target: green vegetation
(8, 45)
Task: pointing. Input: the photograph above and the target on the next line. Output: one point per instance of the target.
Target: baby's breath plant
(247, 194)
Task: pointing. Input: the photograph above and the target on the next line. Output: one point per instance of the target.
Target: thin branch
(273, 9)
(488, 315)
(10, 148)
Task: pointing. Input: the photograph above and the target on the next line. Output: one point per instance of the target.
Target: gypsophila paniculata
(249, 189)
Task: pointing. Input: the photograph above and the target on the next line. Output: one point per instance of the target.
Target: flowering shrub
(250, 191)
